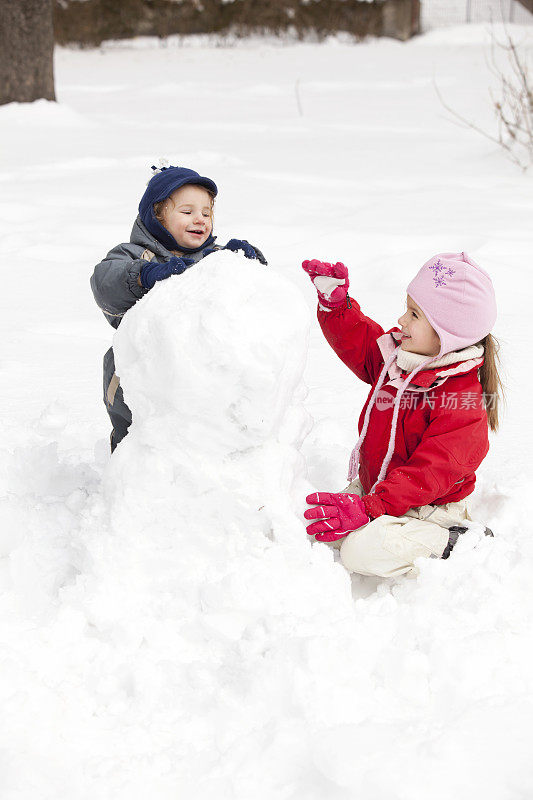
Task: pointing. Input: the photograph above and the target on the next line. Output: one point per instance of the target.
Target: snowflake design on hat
(441, 272)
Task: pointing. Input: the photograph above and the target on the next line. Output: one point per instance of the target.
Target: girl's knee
(388, 547)
(356, 554)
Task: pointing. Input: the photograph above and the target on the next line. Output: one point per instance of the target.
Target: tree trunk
(27, 48)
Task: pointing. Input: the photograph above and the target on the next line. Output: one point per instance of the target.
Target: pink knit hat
(458, 299)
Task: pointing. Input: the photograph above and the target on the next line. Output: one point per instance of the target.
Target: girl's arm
(351, 334)
(450, 450)
(353, 337)
(115, 282)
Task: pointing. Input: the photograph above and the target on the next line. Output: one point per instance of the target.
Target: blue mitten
(248, 249)
(155, 271)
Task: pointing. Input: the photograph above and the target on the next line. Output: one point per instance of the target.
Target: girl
(173, 231)
(424, 427)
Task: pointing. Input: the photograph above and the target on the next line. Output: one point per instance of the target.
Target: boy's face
(187, 215)
(418, 335)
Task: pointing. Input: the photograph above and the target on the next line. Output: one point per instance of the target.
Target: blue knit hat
(161, 186)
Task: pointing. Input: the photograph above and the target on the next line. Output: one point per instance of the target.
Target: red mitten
(331, 282)
(339, 514)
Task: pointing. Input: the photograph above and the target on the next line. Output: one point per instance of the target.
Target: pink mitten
(339, 514)
(331, 282)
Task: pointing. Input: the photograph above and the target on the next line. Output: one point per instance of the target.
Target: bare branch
(513, 104)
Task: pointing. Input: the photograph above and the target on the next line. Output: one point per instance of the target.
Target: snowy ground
(129, 667)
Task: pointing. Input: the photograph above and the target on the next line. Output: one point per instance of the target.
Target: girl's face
(187, 215)
(418, 335)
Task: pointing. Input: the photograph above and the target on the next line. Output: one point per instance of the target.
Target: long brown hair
(491, 382)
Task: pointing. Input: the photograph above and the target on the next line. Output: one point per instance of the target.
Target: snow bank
(176, 633)
(474, 35)
(45, 113)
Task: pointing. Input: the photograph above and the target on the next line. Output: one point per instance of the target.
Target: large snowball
(211, 364)
(216, 353)
(204, 635)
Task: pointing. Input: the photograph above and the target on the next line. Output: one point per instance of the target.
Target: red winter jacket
(442, 432)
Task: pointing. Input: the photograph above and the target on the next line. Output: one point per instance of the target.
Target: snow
(438, 13)
(166, 628)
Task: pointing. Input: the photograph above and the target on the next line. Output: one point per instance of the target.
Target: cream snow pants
(388, 546)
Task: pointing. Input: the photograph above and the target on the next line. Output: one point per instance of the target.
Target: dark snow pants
(119, 413)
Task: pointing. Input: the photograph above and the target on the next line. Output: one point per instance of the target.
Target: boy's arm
(354, 338)
(115, 282)
(452, 448)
